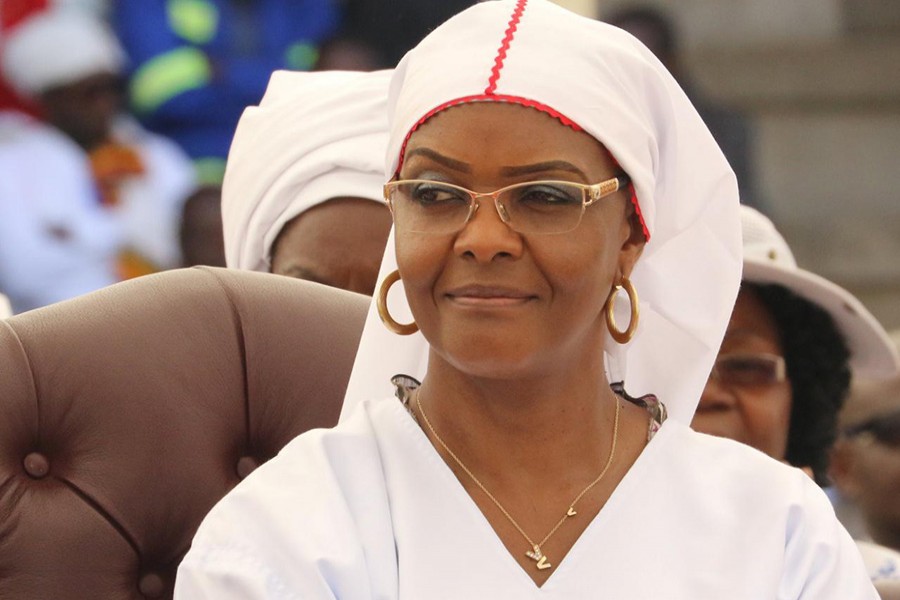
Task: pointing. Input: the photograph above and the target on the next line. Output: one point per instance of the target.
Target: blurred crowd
(117, 120)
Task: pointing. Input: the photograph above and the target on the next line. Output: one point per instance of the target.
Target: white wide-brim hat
(769, 260)
(315, 136)
(595, 78)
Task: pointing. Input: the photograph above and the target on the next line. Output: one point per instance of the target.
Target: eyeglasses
(749, 370)
(544, 207)
(883, 428)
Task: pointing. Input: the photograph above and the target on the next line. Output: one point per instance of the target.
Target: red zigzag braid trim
(504, 46)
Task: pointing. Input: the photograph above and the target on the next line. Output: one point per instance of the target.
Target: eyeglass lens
(748, 369)
(535, 207)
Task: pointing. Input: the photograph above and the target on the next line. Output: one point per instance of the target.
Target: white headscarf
(315, 136)
(599, 78)
(58, 47)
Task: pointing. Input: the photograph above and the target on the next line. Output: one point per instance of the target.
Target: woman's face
(339, 243)
(496, 303)
(756, 415)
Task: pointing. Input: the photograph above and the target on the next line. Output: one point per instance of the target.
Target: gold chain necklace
(536, 554)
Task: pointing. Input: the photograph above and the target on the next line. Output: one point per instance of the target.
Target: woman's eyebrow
(744, 333)
(553, 165)
(462, 167)
(456, 165)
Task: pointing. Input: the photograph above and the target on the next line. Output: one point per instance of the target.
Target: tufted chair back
(127, 413)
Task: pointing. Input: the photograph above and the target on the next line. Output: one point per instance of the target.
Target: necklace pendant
(571, 512)
(538, 556)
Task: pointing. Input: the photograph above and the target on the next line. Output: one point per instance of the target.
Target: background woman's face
(755, 415)
(338, 243)
(494, 302)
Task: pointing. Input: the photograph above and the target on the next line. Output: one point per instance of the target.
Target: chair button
(151, 585)
(245, 466)
(36, 465)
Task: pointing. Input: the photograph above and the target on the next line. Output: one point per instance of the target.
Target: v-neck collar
(421, 448)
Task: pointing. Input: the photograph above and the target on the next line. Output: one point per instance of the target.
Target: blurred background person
(196, 64)
(782, 376)
(784, 367)
(303, 188)
(88, 197)
(865, 463)
(731, 129)
(200, 233)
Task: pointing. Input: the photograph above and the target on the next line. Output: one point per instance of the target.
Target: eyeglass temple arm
(609, 186)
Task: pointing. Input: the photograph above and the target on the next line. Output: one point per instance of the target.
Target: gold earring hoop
(623, 337)
(381, 305)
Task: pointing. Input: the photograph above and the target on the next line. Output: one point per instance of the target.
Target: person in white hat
(785, 364)
(538, 161)
(302, 194)
(88, 197)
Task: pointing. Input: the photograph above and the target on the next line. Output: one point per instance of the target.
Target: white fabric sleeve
(232, 572)
(313, 523)
(821, 560)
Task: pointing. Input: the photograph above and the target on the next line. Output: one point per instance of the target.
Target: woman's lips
(488, 296)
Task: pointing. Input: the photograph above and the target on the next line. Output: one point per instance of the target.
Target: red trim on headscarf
(484, 98)
(634, 200)
(504, 46)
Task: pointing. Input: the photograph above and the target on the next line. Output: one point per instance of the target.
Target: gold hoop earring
(381, 305)
(623, 337)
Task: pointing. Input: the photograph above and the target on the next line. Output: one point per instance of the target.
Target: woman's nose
(486, 237)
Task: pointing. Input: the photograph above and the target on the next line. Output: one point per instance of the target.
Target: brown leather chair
(127, 413)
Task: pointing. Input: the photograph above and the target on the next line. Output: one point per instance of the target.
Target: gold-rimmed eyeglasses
(544, 207)
(749, 370)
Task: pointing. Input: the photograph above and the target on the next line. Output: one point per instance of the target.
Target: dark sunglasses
(885, 428)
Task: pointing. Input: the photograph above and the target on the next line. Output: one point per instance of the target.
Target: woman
(784, 368)
(302, 191)
(514, 470)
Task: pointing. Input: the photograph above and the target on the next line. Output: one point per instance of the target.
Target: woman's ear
(633, 245)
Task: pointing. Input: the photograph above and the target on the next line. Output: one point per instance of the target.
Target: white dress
(369, 510)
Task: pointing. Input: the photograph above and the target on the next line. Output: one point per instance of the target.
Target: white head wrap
(57, 47)
(768, 260)
(315, 136)
(601, 79)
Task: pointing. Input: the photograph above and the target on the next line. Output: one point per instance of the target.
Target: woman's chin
(505, 360)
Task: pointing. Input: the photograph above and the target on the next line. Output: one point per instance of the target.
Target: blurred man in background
(865, 462)
(88, 197)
